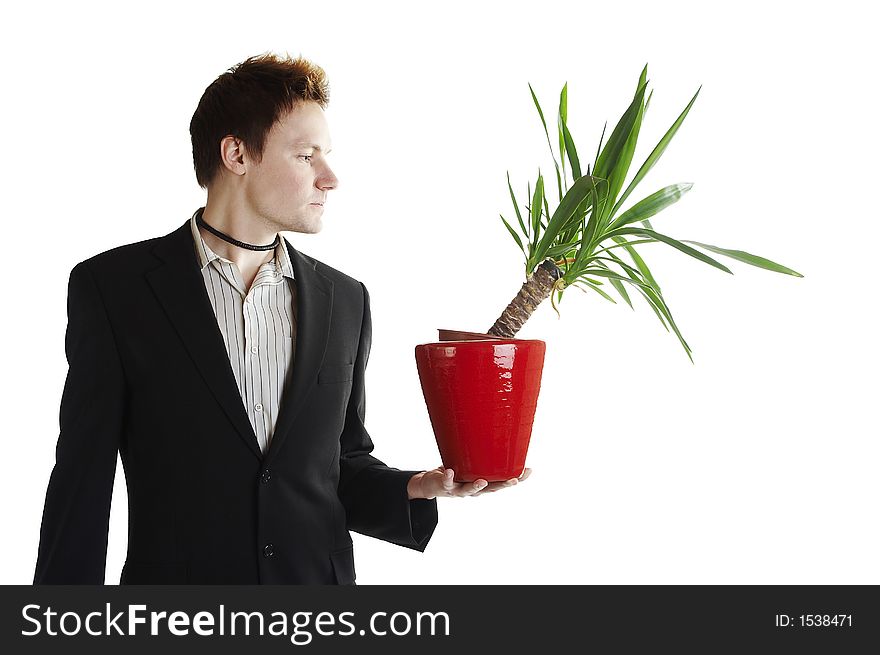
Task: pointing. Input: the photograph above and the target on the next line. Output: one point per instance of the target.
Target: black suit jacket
(149, 377)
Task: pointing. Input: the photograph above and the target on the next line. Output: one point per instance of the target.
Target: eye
(309, 157)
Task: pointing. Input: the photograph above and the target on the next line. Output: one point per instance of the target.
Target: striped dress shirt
(258, 327)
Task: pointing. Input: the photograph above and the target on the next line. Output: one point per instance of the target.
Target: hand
(441, 482)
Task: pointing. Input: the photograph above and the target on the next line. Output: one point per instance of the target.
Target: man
(227, 369)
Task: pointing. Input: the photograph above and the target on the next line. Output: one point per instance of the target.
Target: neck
(242, 226)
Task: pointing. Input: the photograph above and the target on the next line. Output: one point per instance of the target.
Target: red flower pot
(481, 394)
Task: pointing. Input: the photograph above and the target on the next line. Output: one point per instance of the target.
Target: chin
(313, 228)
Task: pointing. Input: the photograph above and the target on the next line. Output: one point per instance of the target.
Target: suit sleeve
(375, 495)
(73, 534)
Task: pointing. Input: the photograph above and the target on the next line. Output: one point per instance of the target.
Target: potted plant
(481, 389)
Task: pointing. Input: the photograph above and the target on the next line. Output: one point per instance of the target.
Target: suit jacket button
(268, 550)
(266, 476)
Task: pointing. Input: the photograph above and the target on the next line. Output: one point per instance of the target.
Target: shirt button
(268, 550)
(258, 407)
(254, 350)
(266, 476)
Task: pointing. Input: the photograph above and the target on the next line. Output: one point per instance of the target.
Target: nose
(327, 181)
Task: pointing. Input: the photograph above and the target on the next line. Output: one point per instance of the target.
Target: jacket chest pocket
(336, 373)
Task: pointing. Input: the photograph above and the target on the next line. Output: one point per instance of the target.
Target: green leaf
(536, 202)
(555, 251)
(617, 141)
(660, 307)
(563, 214)
(547, 134)
(623, 243)
(618, 285)
(514, 235)
(621, 167)
(592, 223)
(546, 208)
(516, 207)
(600, 292)
(575, 224)
(535, 232)
(611, 274)
(657, 299)
(651, 205)
(656, 152)
(672, 242)
(748, 258)
(622, 291)
(561, 118)
(642, 77)
(590, 229)
(634, 273)
(571, 150)
(599, 148)
(637, 259)
(652, 306)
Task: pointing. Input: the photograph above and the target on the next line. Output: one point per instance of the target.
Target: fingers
(478, 486)
(512, 482)
(497, 486)
(452, 488)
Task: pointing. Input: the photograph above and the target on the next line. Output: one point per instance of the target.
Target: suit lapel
(180, 289)
(314, 298)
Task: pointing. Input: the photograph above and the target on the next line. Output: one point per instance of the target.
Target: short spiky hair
(246, 101)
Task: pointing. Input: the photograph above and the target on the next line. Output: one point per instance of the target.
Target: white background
(756, 464)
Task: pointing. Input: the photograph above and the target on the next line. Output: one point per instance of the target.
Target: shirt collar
(206, 255)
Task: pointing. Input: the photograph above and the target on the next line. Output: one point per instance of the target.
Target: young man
(227, 369)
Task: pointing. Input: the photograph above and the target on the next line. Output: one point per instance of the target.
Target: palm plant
(574, 247)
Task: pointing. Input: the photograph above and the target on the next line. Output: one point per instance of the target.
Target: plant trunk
(536, 290)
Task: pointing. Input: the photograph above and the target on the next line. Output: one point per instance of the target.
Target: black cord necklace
(235, 242)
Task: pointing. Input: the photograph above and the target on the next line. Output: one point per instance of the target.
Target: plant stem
(536, 290)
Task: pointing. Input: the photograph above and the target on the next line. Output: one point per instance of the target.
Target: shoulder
(123, 256)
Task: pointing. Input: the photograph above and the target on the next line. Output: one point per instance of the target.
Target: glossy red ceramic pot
(481, 394)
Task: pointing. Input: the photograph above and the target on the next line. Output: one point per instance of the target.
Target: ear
(232, 154)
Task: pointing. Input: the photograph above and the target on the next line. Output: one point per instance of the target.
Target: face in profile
(288, 187)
